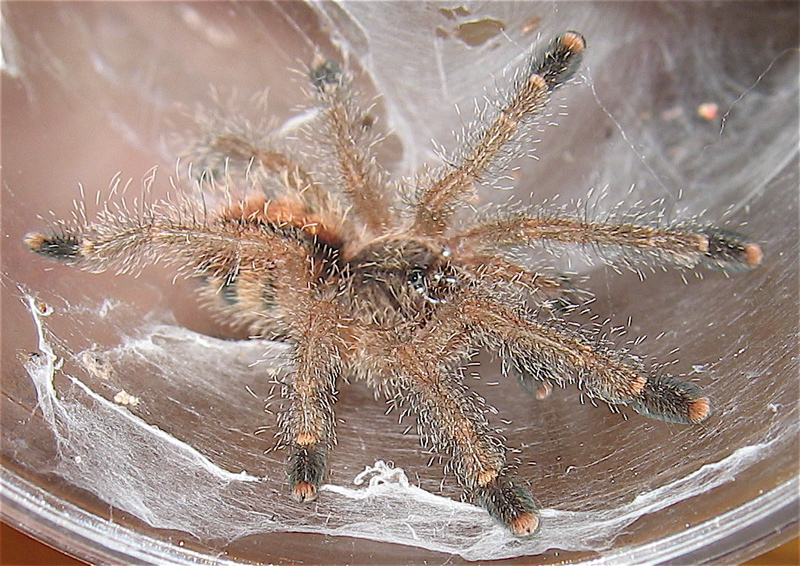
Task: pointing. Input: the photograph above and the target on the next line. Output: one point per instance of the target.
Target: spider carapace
(400, 291)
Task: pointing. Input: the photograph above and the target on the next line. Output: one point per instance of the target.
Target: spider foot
(673, 400)
(524, 524)
(58, 246)
(540, 389)
(730, 251)
(510, 504)
(325, 75)
(560, 59)
(306, 470)
(304, 492)
(543, 391)
(534, 377)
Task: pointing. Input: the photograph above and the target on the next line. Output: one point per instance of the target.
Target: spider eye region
(417, 280)
(413, 273)
(432, 286)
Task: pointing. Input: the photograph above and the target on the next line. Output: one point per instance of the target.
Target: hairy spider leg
(450, 418)
(309, 424)
(710, 246)
(362, 180)
(227, 250)
(477, 266)
(544, 353)
(543, 74)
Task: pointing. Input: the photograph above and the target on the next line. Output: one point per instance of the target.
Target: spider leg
(169, 233)
(361, 178)
(452, 421)
(543, 75)
(708, 246)
(450, 418)
(308, 427)
(244, 263)
(239, 256)
(543, 354)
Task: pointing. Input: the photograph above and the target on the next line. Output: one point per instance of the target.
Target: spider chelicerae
(397, 291)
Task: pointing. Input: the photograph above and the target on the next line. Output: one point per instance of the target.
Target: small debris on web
(384, 473)
(96, 364)
(708, 110)
(125, 398)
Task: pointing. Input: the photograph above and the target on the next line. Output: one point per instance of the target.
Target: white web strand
(108, 451)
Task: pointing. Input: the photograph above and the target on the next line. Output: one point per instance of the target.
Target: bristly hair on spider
(366, 285)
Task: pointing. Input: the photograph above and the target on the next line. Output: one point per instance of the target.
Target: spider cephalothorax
(370, 286)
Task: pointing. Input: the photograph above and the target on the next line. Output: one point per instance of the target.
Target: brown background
(19, 549)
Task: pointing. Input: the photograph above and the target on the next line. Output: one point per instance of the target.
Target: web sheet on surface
(185, 456)
(110, 452)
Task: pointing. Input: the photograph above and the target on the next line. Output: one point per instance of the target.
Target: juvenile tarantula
(399, 295)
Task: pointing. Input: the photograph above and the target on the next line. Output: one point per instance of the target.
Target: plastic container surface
(693, 105)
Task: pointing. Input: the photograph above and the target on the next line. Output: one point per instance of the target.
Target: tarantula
(399, 294)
